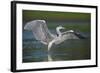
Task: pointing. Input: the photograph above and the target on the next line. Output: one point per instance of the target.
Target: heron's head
(60, 27)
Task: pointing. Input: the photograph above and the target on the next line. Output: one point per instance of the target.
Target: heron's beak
(63, 27)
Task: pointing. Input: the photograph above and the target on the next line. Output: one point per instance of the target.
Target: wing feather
(73, 35)
(40, 30)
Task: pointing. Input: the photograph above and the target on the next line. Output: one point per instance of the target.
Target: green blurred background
(71, 20)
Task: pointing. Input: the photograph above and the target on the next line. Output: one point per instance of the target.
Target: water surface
(34, 51)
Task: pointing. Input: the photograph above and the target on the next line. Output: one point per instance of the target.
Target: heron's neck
(58, 31)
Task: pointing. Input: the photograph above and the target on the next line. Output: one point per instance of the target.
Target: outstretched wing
(40, 30)
(73, 35)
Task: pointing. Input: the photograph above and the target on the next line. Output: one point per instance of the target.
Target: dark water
(34, 51)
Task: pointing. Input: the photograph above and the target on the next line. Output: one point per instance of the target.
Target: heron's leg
(50, 45)
(49, 55)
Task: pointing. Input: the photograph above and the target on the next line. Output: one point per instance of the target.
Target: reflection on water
(34, 51)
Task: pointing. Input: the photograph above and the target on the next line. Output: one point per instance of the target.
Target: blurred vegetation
(51, 16)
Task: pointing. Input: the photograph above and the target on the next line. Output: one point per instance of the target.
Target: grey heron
(42, 34)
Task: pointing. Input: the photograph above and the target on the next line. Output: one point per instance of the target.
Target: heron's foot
(49, 56)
